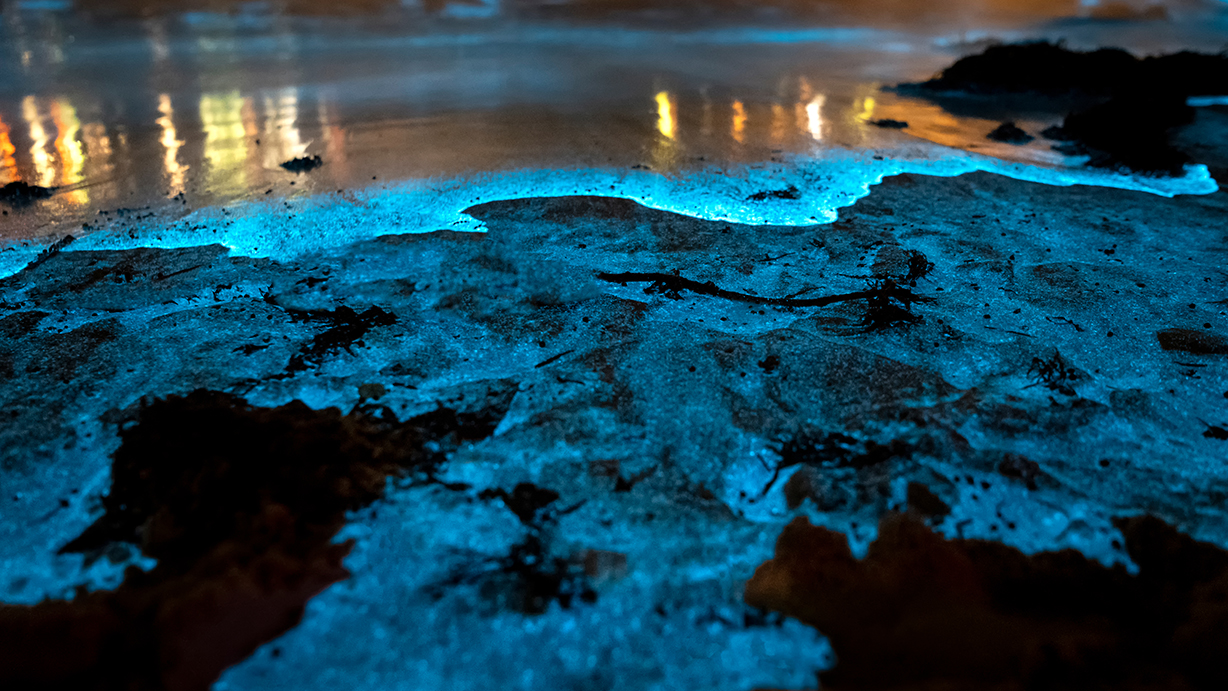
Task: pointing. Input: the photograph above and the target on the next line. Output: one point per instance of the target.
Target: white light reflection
(44, 170)
(175, 171)
(69, 149)
(281, 138)
(814, 116)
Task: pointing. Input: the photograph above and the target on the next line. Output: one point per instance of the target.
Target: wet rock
(924, 502)
(1040, 67)
(1193, 341)
(1132, 130)
(238, 505)
(921, 611)
(1053, 70)
(1216, 432)
(1009, 133)
(1121, 109)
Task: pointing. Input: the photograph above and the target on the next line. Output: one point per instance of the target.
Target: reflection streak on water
(738, 129)
(222, 117)
(282, 140)
(69, 149)
(44, 171)
(780, 123)
(8, 164)
(814, 117)
(333, 137)
(175, 171)
(867, 109)
(666, 123)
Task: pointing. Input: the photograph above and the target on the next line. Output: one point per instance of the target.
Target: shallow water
(139, 124)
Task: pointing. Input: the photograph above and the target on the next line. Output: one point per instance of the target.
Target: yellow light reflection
(814, 116)
(666, 124)
(867, 109)
(44, 170)
(221, 117)
(8, 163)
(739, 122)
(72, 157)
(281, 139)
(175, 171)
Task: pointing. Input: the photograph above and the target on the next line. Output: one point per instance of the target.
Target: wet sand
(555, 453)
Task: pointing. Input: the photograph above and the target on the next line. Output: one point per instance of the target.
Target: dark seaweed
(19, 194)
(347, 327)
(790, 192)
(1054, 374)
(303, 164)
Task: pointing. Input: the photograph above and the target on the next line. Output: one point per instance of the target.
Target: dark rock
(921, 611)
(1008, 133)
(1041, 67)
(1216, 432)
(239, 506)
(1145, 98)
(1132, 130)
(926, 503)
(889, 124)
(1193, 341)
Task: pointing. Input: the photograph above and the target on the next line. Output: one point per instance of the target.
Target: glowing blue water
(283, 230)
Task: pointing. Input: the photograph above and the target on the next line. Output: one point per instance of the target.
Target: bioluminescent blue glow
(828, 182)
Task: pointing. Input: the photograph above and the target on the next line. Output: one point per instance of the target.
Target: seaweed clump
(347, 328)
(1054, 374)
(18, 194)
(923, 612)
(529, 578)
(239, 506)
(303, 164)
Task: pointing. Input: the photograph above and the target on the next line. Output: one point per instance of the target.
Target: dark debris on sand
(19, 194)
(923, 612)
(528, 578)
(789, 193)
(303, 164)
(239, 506)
